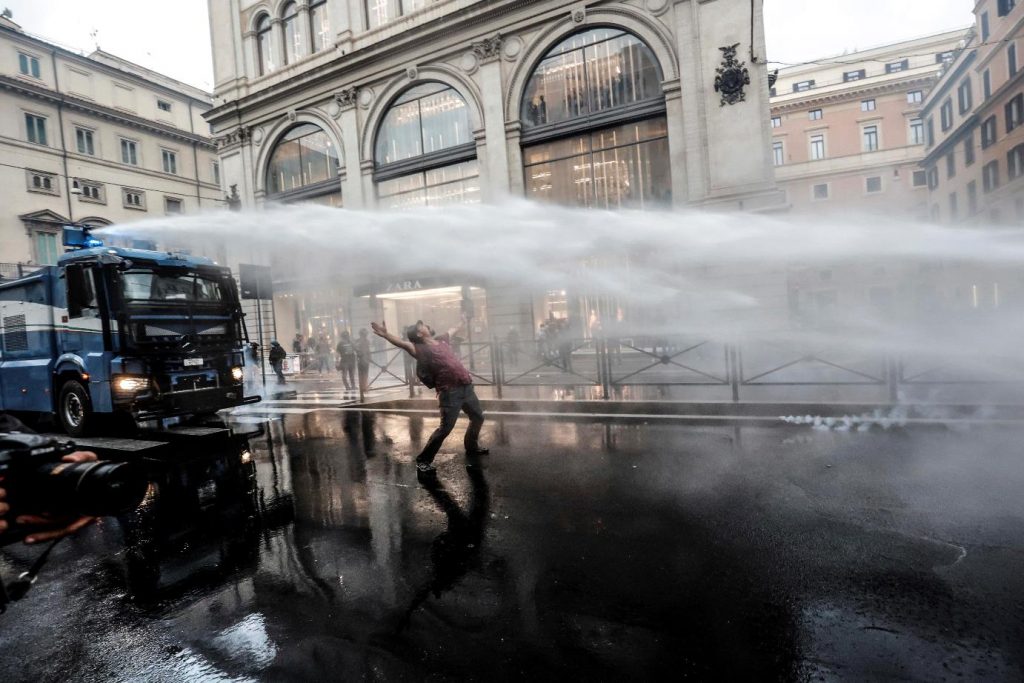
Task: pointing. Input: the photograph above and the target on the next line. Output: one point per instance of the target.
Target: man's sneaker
(478, 451)
(425, 468)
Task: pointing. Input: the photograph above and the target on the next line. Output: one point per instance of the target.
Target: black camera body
(39, 482)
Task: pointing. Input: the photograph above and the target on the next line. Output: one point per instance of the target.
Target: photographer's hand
(70, 525)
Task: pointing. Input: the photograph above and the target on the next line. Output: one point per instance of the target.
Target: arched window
(380, 12)
(264, 45)
(594, 126)
(292, 36)
(319, 25)
(304, 166)
(425, 153)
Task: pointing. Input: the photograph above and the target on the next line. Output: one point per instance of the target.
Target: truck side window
(82, 300)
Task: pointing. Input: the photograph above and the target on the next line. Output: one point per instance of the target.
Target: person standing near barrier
(438, 365)
(277, 356)
(347, 360)
(363, 360)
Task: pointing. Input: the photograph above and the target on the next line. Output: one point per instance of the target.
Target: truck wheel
(74, 409)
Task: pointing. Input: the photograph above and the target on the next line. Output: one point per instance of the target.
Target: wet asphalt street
(582, 549)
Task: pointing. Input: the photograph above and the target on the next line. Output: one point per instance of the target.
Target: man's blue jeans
(452, 402)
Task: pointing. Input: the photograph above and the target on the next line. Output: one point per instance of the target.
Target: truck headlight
(130, 385)
(237, 374)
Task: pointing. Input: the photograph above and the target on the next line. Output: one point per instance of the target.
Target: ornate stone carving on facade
(579, 15)
(488, 49)
(365, 97)
(511, 47)
(347, 97)
(233, 201)
(732, 77)
(238, 136)
(656, 7)
(469, 62)
(291, 115)
(412, 73)
(257, 136)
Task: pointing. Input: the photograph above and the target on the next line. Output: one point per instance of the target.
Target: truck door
(83, 329)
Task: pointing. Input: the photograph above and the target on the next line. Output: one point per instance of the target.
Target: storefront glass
(590, 73)
(427, 118)
(624, 166)
(441, 307)
(304, 156)
(610, 147)
(455, 184)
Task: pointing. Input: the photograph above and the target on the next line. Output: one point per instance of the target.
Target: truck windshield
(149, 285)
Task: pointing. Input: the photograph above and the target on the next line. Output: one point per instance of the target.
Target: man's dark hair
(412, 332)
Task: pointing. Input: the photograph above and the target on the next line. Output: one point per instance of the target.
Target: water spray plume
(897, 287)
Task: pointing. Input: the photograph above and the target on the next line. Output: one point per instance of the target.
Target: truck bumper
(188, 402)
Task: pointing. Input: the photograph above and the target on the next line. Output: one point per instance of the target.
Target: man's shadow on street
(456, 550)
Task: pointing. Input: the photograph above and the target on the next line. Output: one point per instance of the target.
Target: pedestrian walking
(439, 368)
(363, 360)
(347, 360)
(277, 355)
(323, 354)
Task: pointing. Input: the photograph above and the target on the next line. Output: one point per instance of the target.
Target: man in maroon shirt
(452, 381)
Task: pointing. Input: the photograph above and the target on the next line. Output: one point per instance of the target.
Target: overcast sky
(173, 38)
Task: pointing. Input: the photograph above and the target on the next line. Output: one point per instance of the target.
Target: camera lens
(90, 488)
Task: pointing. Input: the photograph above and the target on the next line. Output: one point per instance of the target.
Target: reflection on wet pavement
(310, 551)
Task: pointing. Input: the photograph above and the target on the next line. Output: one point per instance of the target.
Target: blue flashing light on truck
(116, 332)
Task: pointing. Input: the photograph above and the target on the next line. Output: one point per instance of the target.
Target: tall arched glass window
(292, 35)
(304, 167)
(594, 127)
(380, 12)
(264, 45)
(425, 153)
(319, 25)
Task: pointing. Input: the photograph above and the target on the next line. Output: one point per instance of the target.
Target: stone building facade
(404, 103)
(848, 133)
(974, 120)
(93, 139)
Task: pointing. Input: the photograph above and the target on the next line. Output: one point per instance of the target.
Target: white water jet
(942, 297)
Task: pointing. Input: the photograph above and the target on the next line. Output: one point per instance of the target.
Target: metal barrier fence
(721, 370)
(12, 271)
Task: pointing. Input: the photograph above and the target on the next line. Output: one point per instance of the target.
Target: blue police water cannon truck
(113, 332)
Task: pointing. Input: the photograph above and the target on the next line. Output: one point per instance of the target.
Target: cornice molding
(850, 95)
(101, 111)
(107, 69)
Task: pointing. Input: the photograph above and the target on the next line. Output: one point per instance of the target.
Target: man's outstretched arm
(381, 330)
(459, 328)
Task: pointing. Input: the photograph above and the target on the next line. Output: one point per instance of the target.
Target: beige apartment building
(403, 103)
(848, 133)
(92, 139)
(974, 119)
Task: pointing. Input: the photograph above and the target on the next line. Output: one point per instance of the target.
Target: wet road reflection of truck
(200, 524)
(125, 333)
